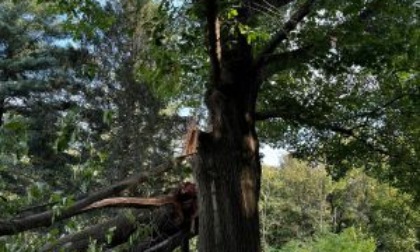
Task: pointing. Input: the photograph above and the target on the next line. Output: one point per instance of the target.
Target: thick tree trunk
(228, 196)
(228, 170)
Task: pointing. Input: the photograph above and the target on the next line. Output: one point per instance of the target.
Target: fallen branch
(162, 221)
(172, 242)
(14, 226)
(121, 227)
(130, 202)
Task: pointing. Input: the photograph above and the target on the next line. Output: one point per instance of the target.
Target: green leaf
(232, 13)
(15, 125)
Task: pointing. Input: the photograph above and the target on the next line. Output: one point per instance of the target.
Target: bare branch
(281, 35)
(13, 226)
(130, 202)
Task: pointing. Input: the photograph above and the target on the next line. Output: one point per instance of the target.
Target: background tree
(40, 84)
(303, 208)
(73, 109)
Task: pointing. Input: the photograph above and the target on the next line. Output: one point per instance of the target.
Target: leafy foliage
(303, 208)
(343, 103)
(347, 241)
(89, 92)
(74, 115)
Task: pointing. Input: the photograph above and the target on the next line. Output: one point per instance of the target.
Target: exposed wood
(131, 202)
(191, 139)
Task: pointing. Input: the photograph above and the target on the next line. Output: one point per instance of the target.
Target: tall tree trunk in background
(1, 110)
(228, 169)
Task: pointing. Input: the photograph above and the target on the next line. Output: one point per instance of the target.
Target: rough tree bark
(228, 169)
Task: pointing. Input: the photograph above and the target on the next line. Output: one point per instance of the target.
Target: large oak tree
(330, 71)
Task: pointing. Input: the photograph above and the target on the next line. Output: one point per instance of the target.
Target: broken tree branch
(162, 224)
(130, 202)
(178, 209)
(122, 227)
(14, 226)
